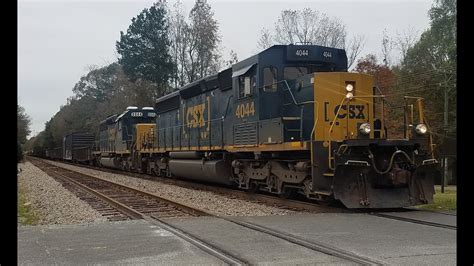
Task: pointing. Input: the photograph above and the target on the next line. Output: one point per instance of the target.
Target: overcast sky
(58, 40)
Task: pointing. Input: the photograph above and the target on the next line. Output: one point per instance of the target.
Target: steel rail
(416, 221)
(270, 200)
(208, 248)
(313, 245)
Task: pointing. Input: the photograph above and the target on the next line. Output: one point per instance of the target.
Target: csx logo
(195, 116)
(355, 111)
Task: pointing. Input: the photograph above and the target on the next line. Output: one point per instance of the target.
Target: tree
(311, 26)
(232, 59)
(387, 47)
(429, 69)
(195, 43)
(19, 152)
(23, 124)
(404, 41)
(144, 49)
(384, 80)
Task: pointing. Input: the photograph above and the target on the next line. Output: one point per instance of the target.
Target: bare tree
(354, 49)
(178, 42)
(206, 36)
(405, 41)
(232, 59)
(311, 26)
(387, 47)
(265, 40)
(195, 43)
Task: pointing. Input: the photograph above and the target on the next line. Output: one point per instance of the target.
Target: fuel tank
(108, 162)
(216, 171)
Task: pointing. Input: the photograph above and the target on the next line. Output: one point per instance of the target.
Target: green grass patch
(25, 213)
(442, 201)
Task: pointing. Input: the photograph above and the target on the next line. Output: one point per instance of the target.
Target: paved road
(391, 241)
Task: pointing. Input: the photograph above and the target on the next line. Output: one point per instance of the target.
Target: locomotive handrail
(291, 93)
(183, 126)
(336, 117)
(422, 119)
(312, 134)
(329, 134)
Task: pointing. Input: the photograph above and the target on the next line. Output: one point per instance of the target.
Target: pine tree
(144, 49)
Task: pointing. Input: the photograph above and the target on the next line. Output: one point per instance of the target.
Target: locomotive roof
(312, 54)
(130, 111)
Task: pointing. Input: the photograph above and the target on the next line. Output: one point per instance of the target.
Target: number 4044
(245, 109)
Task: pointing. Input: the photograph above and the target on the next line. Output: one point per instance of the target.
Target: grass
(442, 201)
(25, 213)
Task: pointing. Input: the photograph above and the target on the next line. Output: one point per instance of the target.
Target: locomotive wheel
(253, 188)
(288, 193)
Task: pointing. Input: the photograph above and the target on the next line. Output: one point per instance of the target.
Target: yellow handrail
(312, 133)
(329, 133)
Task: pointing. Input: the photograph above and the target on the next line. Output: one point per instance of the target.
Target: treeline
(427, 69)
(23, 122)
(162, 50)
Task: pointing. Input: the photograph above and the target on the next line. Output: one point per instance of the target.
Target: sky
(59, 40)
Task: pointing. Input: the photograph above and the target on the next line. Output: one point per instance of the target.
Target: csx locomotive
(287, 120)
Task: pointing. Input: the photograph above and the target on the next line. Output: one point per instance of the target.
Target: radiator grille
(245, 134)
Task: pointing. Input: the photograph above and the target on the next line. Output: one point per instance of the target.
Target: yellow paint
(145, 135)
(286, 146)
(330, 91)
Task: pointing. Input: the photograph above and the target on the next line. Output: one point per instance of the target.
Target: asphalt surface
(442, 218)
(391, 241)
(131, 242)
(138, 242)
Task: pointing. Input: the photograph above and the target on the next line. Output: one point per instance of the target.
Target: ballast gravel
(203, 200)
(50, 201)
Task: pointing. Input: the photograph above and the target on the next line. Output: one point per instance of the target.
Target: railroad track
(269, 200)
(133, 204)
(415, 221)
(121, 197)
(136, 209)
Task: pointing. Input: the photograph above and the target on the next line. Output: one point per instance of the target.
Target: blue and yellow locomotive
(288, 120)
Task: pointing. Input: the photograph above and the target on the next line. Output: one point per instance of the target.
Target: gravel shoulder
(50, 202)
(204, 200)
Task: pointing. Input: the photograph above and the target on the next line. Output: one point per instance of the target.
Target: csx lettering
(355, 111)
(195, 116)
(245, 109)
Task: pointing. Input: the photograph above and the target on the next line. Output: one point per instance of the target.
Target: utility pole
(445, 159)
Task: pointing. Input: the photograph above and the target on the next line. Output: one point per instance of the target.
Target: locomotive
(288, 120)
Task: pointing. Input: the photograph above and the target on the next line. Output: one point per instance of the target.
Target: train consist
(288, 120)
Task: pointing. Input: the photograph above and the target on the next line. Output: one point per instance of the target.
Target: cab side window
(248, 83)
(270, 79)
(290, 73)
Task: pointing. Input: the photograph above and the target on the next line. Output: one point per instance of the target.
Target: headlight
(421, 129)
(349, 95)
(365, 128)
(349, 87)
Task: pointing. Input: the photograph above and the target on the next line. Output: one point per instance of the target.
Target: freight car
(55, 154)
(77, 147)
